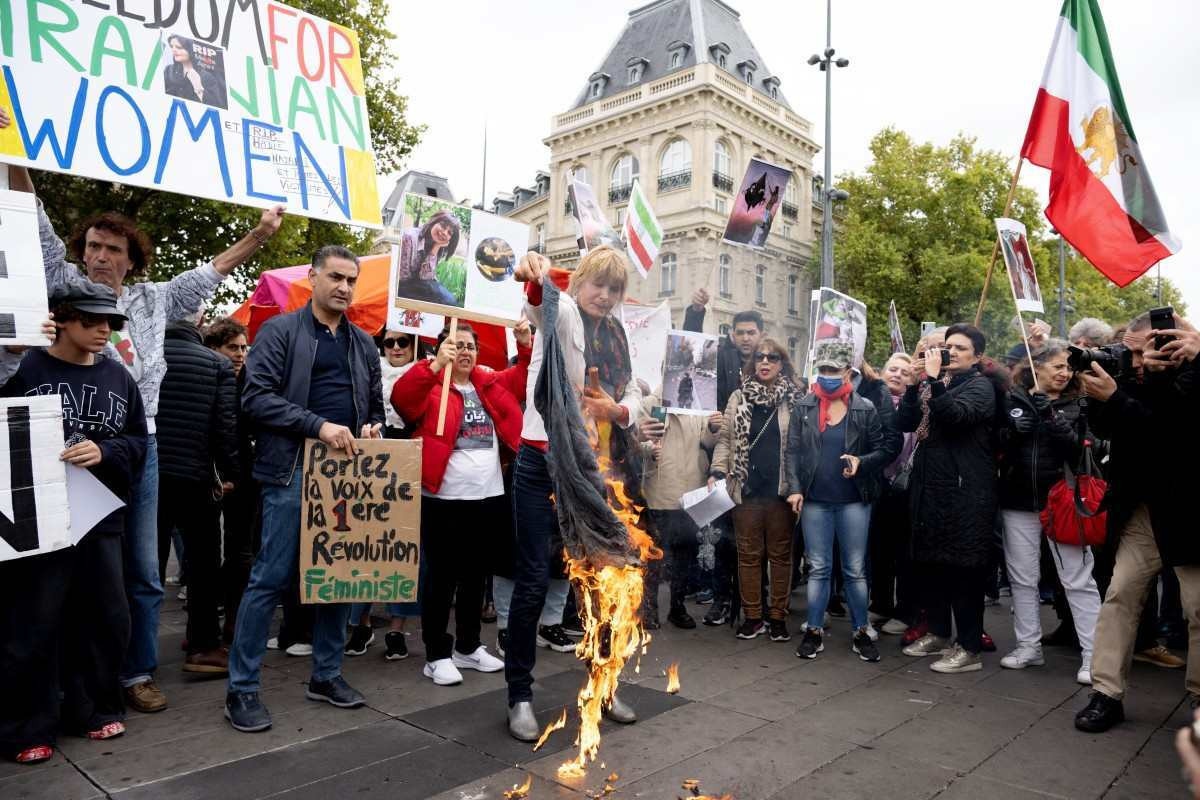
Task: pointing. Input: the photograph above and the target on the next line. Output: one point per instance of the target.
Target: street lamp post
(827, 62)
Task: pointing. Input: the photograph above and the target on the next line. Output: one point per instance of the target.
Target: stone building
(682, 101)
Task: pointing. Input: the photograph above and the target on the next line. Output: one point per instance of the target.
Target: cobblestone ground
(751, 720)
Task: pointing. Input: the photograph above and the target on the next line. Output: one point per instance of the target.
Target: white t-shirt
(473, 472)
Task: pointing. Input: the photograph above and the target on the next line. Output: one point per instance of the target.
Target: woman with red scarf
(835, 454)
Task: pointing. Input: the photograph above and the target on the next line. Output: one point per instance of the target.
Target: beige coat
(683, 462)
(722, 460)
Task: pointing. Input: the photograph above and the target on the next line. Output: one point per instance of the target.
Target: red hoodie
(418, 393)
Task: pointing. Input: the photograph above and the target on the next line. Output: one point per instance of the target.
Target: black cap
(92, 298)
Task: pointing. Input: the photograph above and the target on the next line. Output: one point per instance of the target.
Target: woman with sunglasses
(397, 354)
(751, 457)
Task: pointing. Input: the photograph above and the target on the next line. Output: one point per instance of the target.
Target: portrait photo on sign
(690, 376)
(497, 244)
(756, 203)
(591, 226)
(1021, 273)
(195, 71)
(841, 319)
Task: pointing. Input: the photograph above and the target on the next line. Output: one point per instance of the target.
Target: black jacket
(1031, 461)
(864, 438)
(952, 496)
(881, 397)
(196, 425)
(729, 358)
(275, 395)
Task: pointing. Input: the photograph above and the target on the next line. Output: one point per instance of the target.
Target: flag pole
(1028, 351)
(987, 281)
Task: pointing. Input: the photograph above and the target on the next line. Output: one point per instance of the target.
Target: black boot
(680, 618)
(1063, 636)
(1101, 713)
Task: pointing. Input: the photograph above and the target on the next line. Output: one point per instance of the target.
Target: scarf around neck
(607, 349)
(781, 396)
(825, 400)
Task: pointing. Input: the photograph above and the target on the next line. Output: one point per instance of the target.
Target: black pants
(455, 550)
(535, 523)
(724, 571)
(891, 567)
(64, 626)
(958, 592)
(189, 507)
(675, 533)
(240, 517)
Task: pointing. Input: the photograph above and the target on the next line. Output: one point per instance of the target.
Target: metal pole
(827, 203)
(1062, 287)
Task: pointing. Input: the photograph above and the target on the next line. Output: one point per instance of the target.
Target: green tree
(918, 228)
(189, 230)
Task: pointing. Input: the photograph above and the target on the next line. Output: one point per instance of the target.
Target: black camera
(1115, 359)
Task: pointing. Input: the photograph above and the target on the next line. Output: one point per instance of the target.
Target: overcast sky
(932, 68)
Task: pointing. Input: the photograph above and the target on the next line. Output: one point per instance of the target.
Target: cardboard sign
(758, 200)
(34, 514)
(253, 102)
(646, 328)
(23, 304)
(1022, 276)
(360, 522)
(457, 261)
(841, 319)
(690, 373)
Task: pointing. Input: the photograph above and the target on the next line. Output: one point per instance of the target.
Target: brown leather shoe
(145, 697)
(212, 662)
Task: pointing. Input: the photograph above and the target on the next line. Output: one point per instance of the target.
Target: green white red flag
(1101, 197)
(643, 234)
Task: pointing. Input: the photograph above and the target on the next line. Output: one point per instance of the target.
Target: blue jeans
(143, 588)
(848, 523)
(552, 609)
(276, 565)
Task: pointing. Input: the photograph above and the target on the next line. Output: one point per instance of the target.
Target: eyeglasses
(773, 358)
(390, 343)
(467, 346)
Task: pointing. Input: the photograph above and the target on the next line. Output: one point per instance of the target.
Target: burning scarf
(780, 396)
(825, 400)
(607, 349)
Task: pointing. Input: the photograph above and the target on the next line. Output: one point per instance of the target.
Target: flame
(692, 785)
(673, 678)
(518, 792)
(558, 725)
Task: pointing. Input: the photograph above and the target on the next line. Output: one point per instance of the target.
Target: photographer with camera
(1143, 394)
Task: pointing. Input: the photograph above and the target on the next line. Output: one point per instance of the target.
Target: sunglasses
(89, 320)
(404, 342)
(773, 358)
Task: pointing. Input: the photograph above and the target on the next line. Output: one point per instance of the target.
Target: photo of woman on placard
(421, 250)
(196, 72)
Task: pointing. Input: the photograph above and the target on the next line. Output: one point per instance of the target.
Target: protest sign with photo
(457, 261)
(894, 333)
(34, 513)
(1021, 274)
(839, 318)
(360, 522)
(646, 329)
(756, 203)
(260, 105)
(23, 305)
(592, 229)
(690, 374)
(418, 323)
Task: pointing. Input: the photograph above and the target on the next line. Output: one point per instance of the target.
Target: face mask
(829, 383)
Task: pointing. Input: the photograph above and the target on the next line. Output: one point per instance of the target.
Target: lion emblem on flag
(1105, 142)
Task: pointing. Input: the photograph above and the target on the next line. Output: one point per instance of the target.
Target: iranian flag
(643, 234)
(1101, 198)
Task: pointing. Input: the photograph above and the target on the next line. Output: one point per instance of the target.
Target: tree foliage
(918, 228)
(188, 230)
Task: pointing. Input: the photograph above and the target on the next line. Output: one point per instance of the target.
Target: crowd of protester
(907, 498)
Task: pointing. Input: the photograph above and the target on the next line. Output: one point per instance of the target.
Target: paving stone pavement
(751, 720)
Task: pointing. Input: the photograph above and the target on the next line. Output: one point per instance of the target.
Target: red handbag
(1075, 512)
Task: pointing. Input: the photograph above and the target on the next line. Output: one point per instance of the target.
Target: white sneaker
(872, 633)
(481, 660)
(443, 672)
(273, 643)
(299, 649)
(894, 627)
(1026, 655)
(1084, 675)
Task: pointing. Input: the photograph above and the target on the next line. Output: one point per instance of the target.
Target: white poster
(646, 328)
(690, 373)
(894, 333)
(22, 274)
(1022, 276)
(34, 513)
(839, 318)
(591, 227)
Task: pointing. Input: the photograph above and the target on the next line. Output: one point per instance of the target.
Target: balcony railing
(675, 180)
(722, 181)
(620, 194)
(790, 211)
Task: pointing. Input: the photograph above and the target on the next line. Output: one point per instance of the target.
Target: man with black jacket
(1149, 419)
(197, 463)
(310, 375)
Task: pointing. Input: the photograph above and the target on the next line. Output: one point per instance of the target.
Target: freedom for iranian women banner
(244, 101)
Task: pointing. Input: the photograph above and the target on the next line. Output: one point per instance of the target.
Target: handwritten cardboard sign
(22, 273)
(245, 101)
(360, 522)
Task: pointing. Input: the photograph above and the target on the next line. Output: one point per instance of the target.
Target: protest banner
(690, 373)
(839, 318)
(23, 305)
(244, 101)
(1022, 276)
(646, 329)
(757, 202)
(360, 522)
(591, 228)
(894, 333)
(418, 323)
(34, 513)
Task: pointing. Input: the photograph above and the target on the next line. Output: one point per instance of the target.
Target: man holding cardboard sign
(311, 375)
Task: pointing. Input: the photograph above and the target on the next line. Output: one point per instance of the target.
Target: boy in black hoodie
(64, 618)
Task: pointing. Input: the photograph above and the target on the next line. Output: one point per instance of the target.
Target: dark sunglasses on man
(773, 358)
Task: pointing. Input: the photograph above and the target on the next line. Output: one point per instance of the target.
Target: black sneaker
(1062, 636)
(810, 645)
(501, 641)
(246, 713)
(680, 618)
(750, 629)
(865, 648)
(778, 630)
(361, 637)
(718, 614)
(397, 646)
(336, 692)
(1100, 714)
(574, 629)
(555, 638)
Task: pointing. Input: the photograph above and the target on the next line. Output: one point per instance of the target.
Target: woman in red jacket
(462, 489)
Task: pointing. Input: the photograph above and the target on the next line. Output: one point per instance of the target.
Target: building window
(760, 285)
(792, 294)
(635, 74)
(675, 166)
(620, 181)
(666, 286)
(541, 238)
(723, 276)
(787, 231)
(721, 61)
(749, 77)
(597, 88)
(723, 328)
(793, 346)
(621, 213)
(722, 166)
(676, 59)
(719, 205)
(774, 92)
